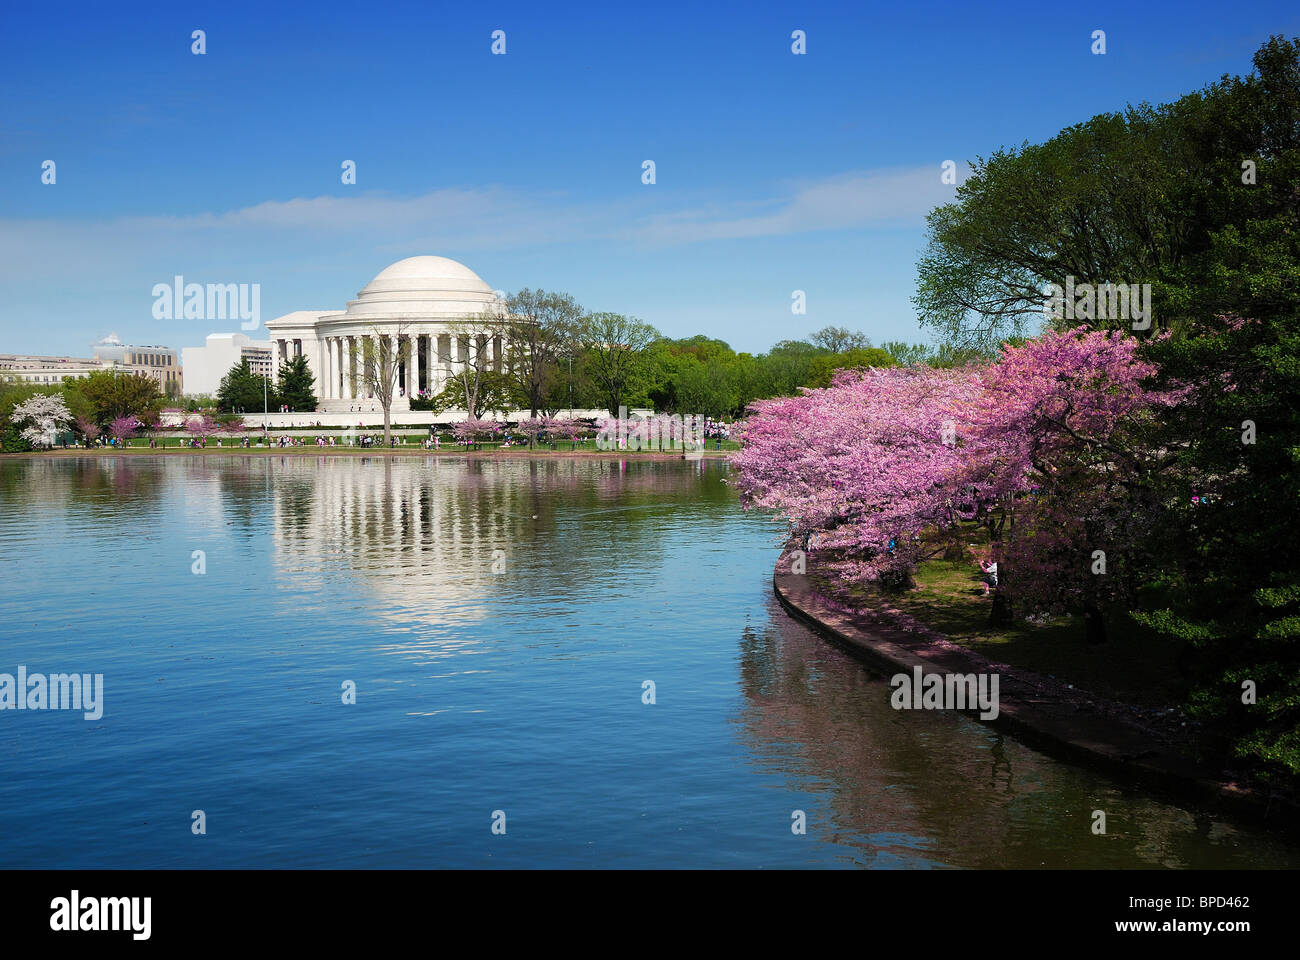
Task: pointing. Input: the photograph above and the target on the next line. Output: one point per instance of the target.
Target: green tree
(906, 354)
(495, 393)
(1229, 583)
(615, 347)
(241, 391)
(540, 331)
(1164, 195)
(840, 339)
(787, 367)
(1199, 199)
(823, 367)
(295, 385)
(106, 395)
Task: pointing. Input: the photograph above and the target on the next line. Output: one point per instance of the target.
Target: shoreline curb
(1124, 749)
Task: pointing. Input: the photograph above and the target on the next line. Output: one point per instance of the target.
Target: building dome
(427, 274)
(429, 287)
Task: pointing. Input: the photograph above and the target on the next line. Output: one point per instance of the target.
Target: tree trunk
(387, 428)
(1000, 612)
(1094, 626)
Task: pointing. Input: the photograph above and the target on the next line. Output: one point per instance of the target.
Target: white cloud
(476, 218)
(846, 201)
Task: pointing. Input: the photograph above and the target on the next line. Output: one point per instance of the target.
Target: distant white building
(205, 366)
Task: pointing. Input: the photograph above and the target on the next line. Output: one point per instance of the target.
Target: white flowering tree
(48, 414)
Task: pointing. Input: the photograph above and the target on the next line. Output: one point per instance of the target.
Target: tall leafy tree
(822, 368)
(241, 390)
(787, 367)
(540, 331)
(108, 395)
(615, 346)
(840, 339)
(295, 385)
(1228, 584)
(1194, 197)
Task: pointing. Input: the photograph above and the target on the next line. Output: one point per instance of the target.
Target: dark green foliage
(1236, 441)
(1201, 199)
(242, 391)
(294, 386)
(1151, 195)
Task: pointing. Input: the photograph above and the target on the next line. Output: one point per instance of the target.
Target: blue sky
(774, 172)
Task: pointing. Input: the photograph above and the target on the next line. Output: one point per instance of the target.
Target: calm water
(477, 691)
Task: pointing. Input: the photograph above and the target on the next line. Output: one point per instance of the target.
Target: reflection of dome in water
(410, 542)
(403, 529)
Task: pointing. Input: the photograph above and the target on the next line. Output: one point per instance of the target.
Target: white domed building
(426, 301)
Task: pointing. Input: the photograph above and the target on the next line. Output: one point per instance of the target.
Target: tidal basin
(499, 621)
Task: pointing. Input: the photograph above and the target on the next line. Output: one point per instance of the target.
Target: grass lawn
(1132, 666)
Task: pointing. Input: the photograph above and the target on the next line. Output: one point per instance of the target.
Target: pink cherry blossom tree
(124, 428)
(1046, 448)
(1059, 454)
(203, 427)
(563, 428)
(474, 429)
(532, 426)
(862, 467)
(88, 428)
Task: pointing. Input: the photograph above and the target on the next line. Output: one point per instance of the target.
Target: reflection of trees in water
(98, 487)
(798, 695)
(295, 500)
(244, 484)
(981, 800)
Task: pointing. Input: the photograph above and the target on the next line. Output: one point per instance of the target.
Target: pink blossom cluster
(870, 464)
(475, 429)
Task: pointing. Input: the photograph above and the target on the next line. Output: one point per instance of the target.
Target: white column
(367, 372)
(359, 365)
(413, 383)
(335, 366)
(348, 359)
(378, 341)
